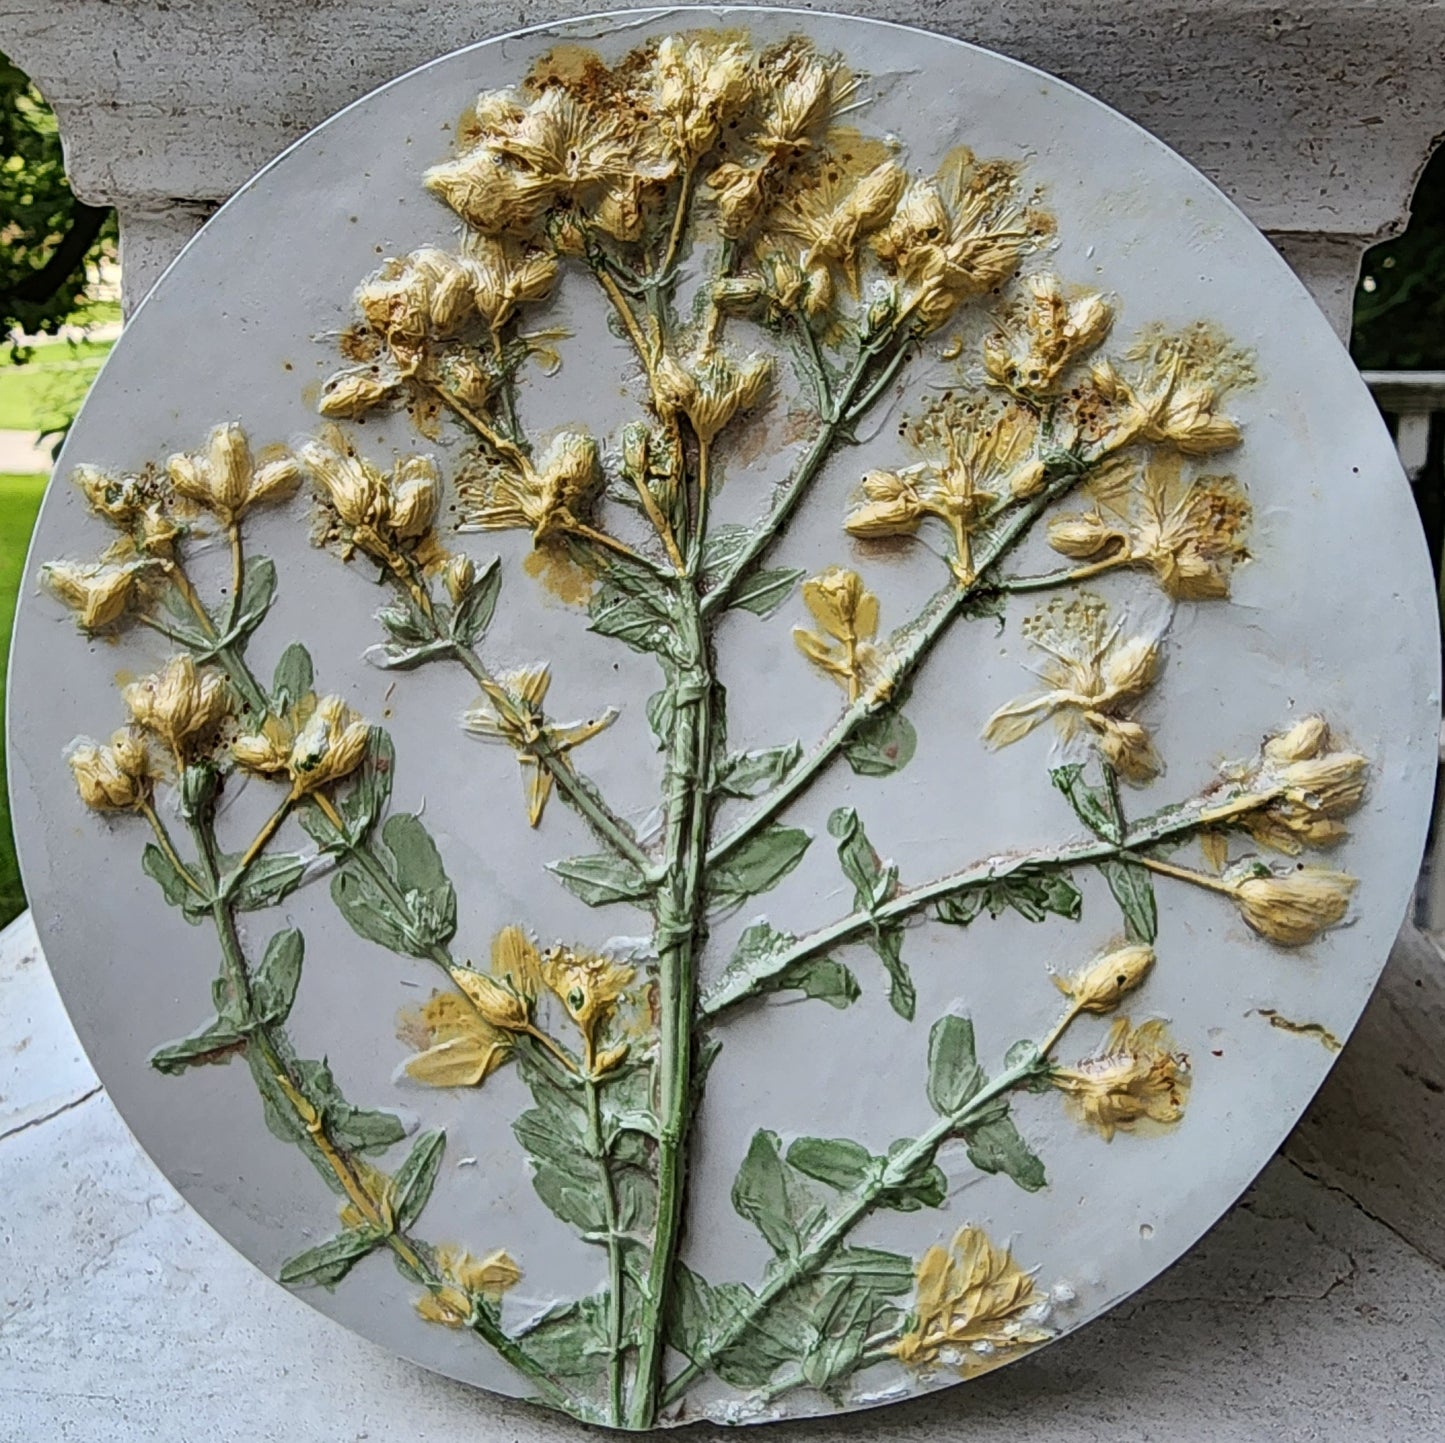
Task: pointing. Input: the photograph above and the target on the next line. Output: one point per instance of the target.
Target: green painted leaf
(417, 1176)
(823, 978)
(887, 942)
(406, 626)
(571, 1342)
(872, 1270)
(274, 983)
(554, 1136)
(258, 590)
(874, 881)
(1133, 890)
(474, 611)
(293, 678)
(637, 608)
(325, 1265)
(762, 1196)
(701, 1312)
(354, 1129)
(426, 914)
(746, 774)
(601, 878)
(217, 1041)
(721, 550)
(764, 592)
(926, 1187)
(881, 745)
(270, 879)
(1033, 895)
(370, 788)
(954, 1075)
(758, 865)
(996, 1146)
(1091, 804)
(195, 906)
(836, 1161)
(662, 715)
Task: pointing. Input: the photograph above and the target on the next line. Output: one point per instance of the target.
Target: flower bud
(179, 704)
(116, 777)
(352, 394)
(1293, 908)
(1104, 984)
(458, 576)
(495, 1003)
(99, 594)
(1084, 538)
(415, 496)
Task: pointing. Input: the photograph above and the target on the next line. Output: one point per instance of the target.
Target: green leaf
(1092, 805)
(637, 608)
(758, 865)
(887, 942)
(836, 1161)
(274, 984)
(721, 550)
(474, 611)
(406, 626)
(293, 678)
(571, 1341)
(662, 715)
(1033, 895)
(370, 789)
(954, 1076)
(355, 1129)
(601, 878)
(762, 1196)
(406, 854)
(876, 1272)
(417, 1176)
(874, 882)
(270, 879)
(925, 1187)
(996, 1146)
(746, 774)
(881, 744)
(195, 906)
(701, 1313)
(325, 1265)
(392, 657)
(217, 1041)
(258, 590)
(823, 978)
(764, 592)
(554, 1136)
(1133, 890)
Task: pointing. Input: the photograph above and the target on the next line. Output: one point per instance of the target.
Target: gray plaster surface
(1313, 1312)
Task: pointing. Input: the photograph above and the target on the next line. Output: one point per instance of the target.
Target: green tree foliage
(47, 235)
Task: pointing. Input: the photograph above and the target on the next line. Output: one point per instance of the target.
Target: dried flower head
(547, 498)
(1189, 533)
(971, 1303)
(465, 1281)
(1056, 332)
(1135, 1074)
(846, 614)
(1094, 673)
(510, 710)
(100, 593)
(587, 984)
(134, 504)
(504, 276)
(711, 389)
(385, 516)
(697, 86)
(832, 219)
(115, 777)
(1106, 981)
(1291, 908)
(313, 743)
(224, 478)
(180, 705)
(974, 465)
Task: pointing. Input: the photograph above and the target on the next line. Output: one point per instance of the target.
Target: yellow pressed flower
(510, 710)
(517, 962)
(225, 478)
(1094, 672)
(697, 86)
(959, 236)
(1293, 908)
(495, 1003)
(847, 616)
(100, 593)
(972, 1302)
(315, 743)
(711, 390)
(462, 1050)
(547, 498)
(832, 219)
(1295, 793)
(464, 1280)
(1189, 533)
(801, 91)
(587, 984)
(503, 276)
(457, 576)
(1105, 982)
(180, 704)
(409, 303)
(571, 144)
(1135, 1074)
(1057, 331)
(352, 393)
(490, 195)
(739, 188)
(1172, 401)
(974, 466)
(112, 778)
(381, 515)
(133, 504)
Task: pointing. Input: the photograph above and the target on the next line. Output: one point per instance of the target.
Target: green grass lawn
(44, 393)
(19, 501)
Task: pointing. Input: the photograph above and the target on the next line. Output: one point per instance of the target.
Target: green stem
(737, 988)
(580, 794)
(597, 1146)
(680, 913)
(909, 647)
(825, 1240)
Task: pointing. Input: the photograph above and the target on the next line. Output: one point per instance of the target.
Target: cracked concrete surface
(1313, 1313)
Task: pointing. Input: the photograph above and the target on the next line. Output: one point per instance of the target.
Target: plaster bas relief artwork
(748, 703)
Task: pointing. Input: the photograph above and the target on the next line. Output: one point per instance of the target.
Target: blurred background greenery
(60, 312)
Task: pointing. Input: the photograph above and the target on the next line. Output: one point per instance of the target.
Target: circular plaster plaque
(744, 726)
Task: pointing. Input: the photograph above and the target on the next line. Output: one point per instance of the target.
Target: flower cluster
(1135, 1074)
(117, 776)
(1056, 332)
(550, 498)
(846, 613)
(311, 743)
